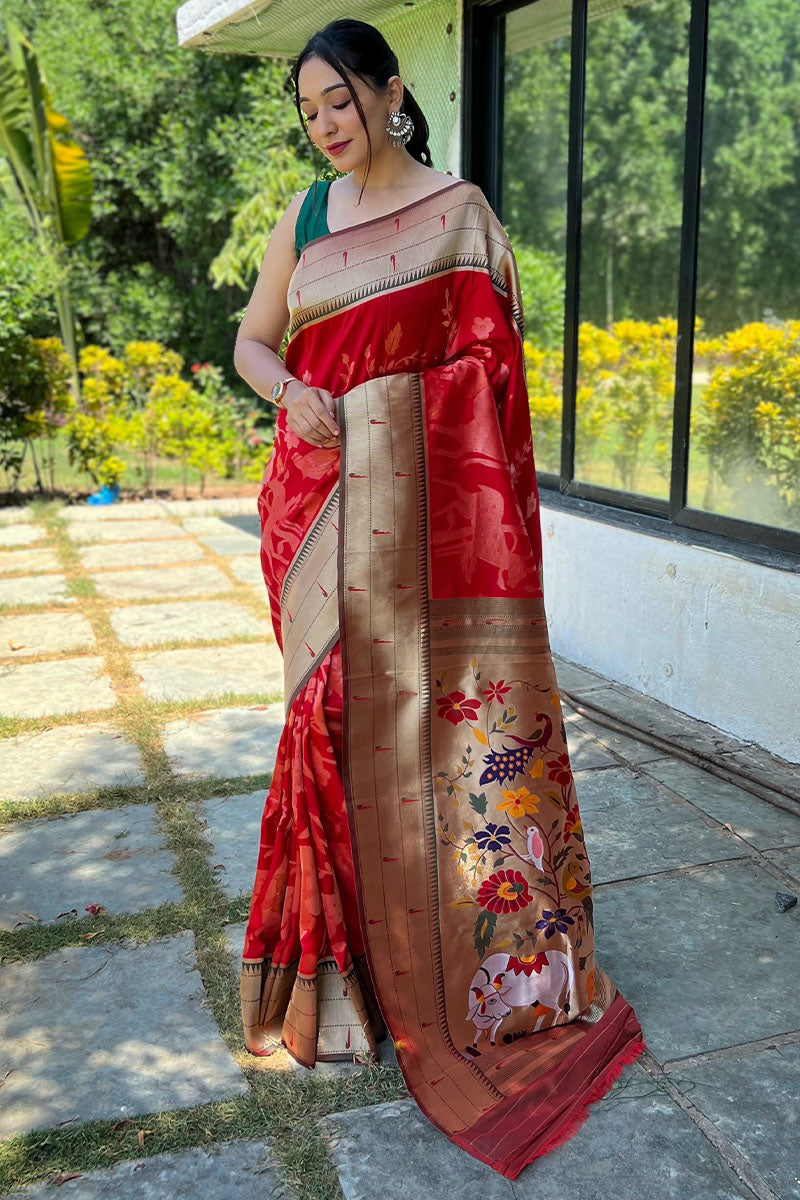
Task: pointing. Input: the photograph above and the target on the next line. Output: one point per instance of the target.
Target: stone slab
(636, 1142)
(44, 633)
(757, 821)
(222, 505)
(114, 857)
(16, 561)
(788, 860)
(248, 569)
(15, 514)
(228, 1171)
(140, 554)
(225, 743)
(70, 758)
(573, 677)
(655, 717)
(34, 590)
(616, 744)
(46, 688)
(234, 830)
(20, 535)
(136, 510)
(185, 621)
(753, 1098)
(232, 544)
(107, 1031)
(211, 671)
(281, 1060)
(633, 751)
(156, 582)
(585, 751)
(249, 523)
(705, 958)
(632, 827)
(124, 531)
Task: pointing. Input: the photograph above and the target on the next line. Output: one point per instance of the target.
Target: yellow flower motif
(518, 802)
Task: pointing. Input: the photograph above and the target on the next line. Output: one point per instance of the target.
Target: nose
(325, 122)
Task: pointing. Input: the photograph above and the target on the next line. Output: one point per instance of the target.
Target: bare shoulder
(294, 206)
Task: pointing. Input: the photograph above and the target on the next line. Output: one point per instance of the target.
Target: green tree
(43, 171)
(180, 142)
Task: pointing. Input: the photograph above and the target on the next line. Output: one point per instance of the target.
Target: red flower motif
(496, 691)
(572, 823)
(559, 771)
(195, 367)
(504, 892)
(456, 708)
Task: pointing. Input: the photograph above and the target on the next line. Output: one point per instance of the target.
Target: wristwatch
(276, 395)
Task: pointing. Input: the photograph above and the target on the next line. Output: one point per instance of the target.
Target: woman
(422, 861)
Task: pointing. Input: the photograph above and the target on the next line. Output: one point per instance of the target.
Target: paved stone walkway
(140, 712)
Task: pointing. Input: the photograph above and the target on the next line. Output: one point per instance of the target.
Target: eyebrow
(332, 88)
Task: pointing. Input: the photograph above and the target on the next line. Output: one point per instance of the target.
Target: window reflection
(744, 458)
(636, 73)
(535, 146)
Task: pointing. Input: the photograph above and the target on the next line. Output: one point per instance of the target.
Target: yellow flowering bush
(749, 421)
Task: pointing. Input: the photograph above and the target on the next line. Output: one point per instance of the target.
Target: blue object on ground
(107, 495)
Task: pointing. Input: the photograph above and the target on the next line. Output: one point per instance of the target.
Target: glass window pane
(744, 458)
(534, 204)
(636, 78)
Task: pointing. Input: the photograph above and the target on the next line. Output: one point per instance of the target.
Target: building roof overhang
(271, 28)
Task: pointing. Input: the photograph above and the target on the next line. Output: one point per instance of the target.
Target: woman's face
(332, 118)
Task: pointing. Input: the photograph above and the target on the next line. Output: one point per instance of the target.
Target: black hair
(356, 48)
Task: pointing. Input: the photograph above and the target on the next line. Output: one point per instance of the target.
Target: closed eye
(311, 116)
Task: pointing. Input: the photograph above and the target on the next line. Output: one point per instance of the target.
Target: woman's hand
(311, 413)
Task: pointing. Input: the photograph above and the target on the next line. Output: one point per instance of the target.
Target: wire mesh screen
(426, 38)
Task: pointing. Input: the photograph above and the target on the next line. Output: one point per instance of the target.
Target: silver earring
(399, 128)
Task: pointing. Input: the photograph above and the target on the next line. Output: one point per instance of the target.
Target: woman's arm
(309, 411)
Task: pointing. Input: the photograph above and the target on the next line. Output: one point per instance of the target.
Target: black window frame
(482, 162)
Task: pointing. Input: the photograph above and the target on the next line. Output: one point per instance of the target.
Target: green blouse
(312, 222)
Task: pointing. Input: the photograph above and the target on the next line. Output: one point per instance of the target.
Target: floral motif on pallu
(509, 820)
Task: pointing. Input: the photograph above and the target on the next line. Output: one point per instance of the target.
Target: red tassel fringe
(603, 1084)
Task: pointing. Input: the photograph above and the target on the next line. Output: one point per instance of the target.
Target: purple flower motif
(552, 921)
(493, 837)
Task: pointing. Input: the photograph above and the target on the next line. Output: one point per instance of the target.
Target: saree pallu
(422, 863)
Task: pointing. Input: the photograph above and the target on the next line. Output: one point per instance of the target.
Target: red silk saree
(422, 864)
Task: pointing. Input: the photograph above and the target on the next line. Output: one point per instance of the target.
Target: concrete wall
(708, 633)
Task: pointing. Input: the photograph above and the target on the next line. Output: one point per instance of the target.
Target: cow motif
(544, 983)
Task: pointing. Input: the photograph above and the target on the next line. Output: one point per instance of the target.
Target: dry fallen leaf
(61, 1177)
(123, 1124)
(32, 916)
(85, 937)
(71, 912)
(142, 1134)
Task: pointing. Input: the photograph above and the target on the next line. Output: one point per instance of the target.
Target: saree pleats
(422, 853)
(304, 979)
